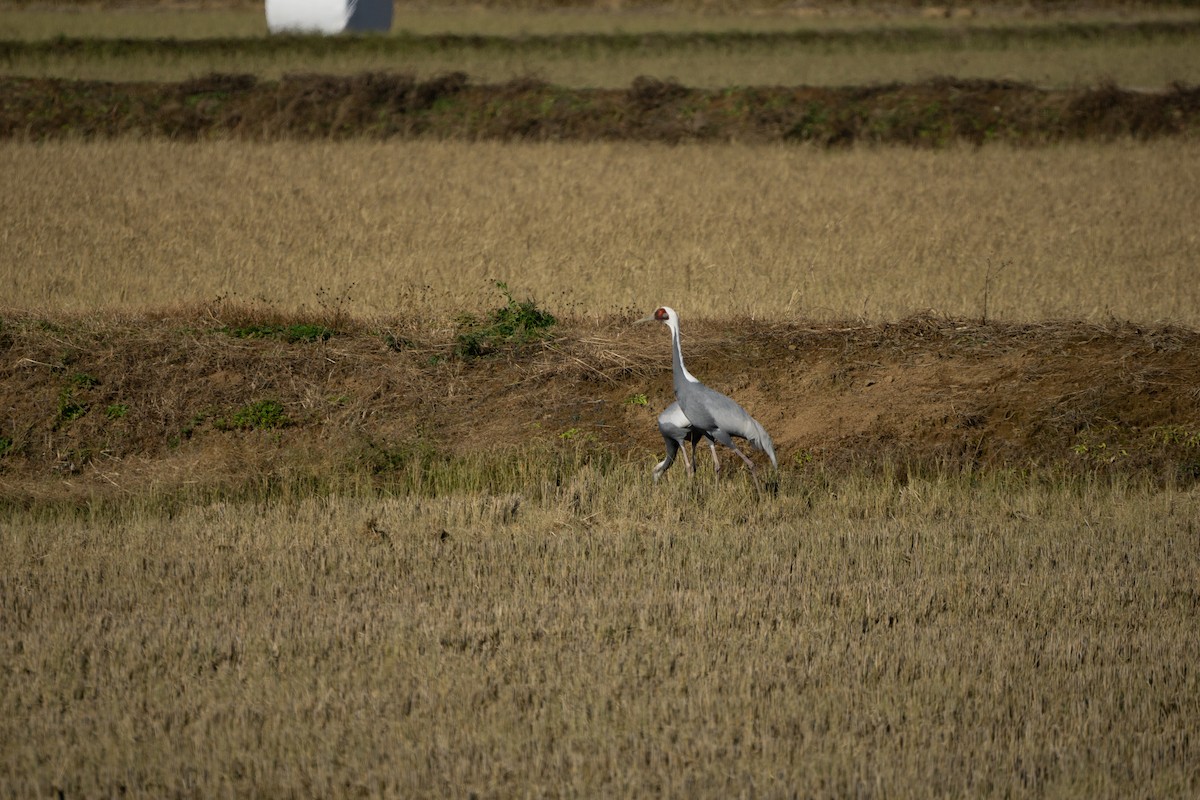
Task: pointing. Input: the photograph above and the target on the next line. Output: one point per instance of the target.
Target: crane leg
(664, 465)
(712, 446)
(726, 440)
(694, 437)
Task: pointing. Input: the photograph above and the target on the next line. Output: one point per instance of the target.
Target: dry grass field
(871, 638)
(853, 46)
(284, 512)
(1077, 231)
(1144, 65)
(236, 564)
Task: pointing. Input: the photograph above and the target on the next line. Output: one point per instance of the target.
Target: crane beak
(649, 318)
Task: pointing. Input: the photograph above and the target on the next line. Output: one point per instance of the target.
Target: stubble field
(922, 638)
(295, 501)
(1087, 231)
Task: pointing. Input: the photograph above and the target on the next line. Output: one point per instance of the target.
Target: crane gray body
(676, 431)
(716, 416)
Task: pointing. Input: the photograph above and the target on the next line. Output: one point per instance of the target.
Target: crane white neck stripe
(687, 376)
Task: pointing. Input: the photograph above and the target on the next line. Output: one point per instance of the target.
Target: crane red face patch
(661, 315)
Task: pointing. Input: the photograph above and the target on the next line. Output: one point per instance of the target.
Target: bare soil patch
(181, 402)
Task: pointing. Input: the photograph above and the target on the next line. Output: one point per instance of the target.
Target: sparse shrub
(335, 307)
(116, 410)
(514, 324)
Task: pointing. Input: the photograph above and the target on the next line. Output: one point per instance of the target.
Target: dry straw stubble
(921, 638)
(1078, 231)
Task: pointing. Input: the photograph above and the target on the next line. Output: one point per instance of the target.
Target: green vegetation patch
(261, 415)
(514, 324)
(302, 332)
(70, 406)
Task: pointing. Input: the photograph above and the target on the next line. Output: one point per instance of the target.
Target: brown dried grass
(921, 638)
(1084, 231)
(1051, 56)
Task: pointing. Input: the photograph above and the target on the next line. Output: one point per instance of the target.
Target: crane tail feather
(761, 440)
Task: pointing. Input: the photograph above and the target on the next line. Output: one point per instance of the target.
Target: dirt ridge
(404, 42)
(391, 105)
(168, 401)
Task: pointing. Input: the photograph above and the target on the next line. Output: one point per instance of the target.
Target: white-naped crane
(708, 411)
(676, 431)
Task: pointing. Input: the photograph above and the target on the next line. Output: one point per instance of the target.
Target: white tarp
(328, 16)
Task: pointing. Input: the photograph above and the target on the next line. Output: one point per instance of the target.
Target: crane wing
(709, 410)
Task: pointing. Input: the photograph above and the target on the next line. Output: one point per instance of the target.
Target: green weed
(577, 434)
(302, 332)
(1177, 435)
(70, 408)
(514, 324)
(262, 415)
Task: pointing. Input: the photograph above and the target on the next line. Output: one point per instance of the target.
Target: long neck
(679, 371)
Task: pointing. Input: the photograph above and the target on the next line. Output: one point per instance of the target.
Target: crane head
(663, 314)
